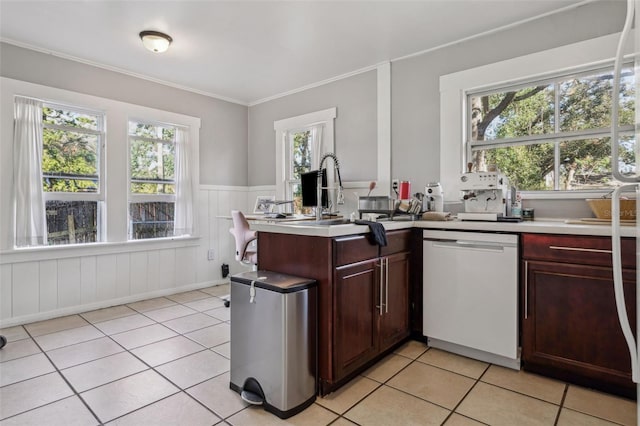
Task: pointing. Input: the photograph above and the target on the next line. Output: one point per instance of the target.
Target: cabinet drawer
(586, 250)
(397, 242)
(354, 248)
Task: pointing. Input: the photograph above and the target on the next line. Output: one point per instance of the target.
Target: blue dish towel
(378, 233)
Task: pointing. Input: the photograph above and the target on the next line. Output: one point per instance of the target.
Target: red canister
(405, 190)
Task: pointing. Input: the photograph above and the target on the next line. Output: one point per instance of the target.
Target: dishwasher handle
(473, 245)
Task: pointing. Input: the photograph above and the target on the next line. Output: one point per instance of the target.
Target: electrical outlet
(211, 254)
(395, 184)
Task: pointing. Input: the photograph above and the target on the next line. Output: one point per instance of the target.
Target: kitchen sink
(323, 222)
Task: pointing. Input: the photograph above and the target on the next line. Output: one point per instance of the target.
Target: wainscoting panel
(48, 284)
(153, 270)
(122, 275)
(26, 288)
(5, 292)
(69, 285)
(106, 276)
(88, 280)
(41, 284)
(138, 272)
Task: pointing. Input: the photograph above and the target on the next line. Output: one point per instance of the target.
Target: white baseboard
(41, 316)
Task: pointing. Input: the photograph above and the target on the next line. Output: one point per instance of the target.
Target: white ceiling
(248, 51)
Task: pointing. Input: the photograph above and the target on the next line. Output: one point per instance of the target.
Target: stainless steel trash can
(274, 340)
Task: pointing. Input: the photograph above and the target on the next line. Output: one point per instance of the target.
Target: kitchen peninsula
(370, 297)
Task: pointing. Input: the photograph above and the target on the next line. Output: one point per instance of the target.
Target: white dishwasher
(470, 294)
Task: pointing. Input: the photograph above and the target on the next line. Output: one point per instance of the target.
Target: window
(300, 143)
(300, 153)
(57, 141)
(152, 185)
(540, 68)
(73, 141)
(553, 134)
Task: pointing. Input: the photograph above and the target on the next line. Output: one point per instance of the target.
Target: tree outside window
(554, 134)
(300, 148)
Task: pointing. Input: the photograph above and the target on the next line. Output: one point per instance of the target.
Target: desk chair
(246, 250)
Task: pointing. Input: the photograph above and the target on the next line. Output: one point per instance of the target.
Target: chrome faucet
(339, 196)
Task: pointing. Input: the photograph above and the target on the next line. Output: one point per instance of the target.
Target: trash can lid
(274, 281)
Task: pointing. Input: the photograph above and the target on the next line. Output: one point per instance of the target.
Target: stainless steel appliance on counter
(470, 295)
(486, 196)
(273, 340)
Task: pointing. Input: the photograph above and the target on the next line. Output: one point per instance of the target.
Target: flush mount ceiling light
(155, 41)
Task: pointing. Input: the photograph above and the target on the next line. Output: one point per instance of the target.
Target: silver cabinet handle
(386, 280)
(526, 289)
(381, 283)
(590, 250)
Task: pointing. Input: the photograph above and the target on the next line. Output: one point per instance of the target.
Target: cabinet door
(394, 321)
(570, 325)
(355, 315)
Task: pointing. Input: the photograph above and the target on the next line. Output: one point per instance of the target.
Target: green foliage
(152, 159)
(584, 103)
(523, 164)
(301, 161)
(69, 161)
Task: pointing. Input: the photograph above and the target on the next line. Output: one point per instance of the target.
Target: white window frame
(98, 196)
(284, 128)
(453, 99)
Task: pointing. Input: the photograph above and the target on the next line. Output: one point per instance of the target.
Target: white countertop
(542, 226)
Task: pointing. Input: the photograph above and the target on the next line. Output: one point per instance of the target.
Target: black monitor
(309, 183)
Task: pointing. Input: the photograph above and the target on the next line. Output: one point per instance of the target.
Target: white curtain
(184, 218)
(31, 225)
(316, 147)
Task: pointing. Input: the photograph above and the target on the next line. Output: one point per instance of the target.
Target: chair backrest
(244, 236)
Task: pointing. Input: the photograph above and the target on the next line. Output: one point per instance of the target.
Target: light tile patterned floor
(165, 361)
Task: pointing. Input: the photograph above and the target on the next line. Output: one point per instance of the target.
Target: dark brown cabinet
(355, 316)
(372, 309)
(363, 295)
(570, 326)
(393, 322)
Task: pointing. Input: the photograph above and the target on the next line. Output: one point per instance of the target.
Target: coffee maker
(433, 198)
(486, 196)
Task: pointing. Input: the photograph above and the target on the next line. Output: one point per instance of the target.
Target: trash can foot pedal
(252, 398)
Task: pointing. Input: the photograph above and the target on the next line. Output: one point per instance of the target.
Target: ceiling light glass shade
(155, 41)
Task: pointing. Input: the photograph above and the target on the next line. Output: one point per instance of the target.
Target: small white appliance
(486, 196)
(433, 197)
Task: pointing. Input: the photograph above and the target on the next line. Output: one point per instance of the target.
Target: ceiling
(249, 51)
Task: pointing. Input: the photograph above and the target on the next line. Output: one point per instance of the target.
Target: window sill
(565, 195)
(29, 254)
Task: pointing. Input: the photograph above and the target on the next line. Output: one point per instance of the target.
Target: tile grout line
(467, 394)
(564, 396)
(89, 323)
(57, 370)
(180, 389)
